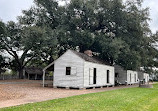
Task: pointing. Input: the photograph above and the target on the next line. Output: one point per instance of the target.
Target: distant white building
(125, 76)
(81, 70)
(143, 76)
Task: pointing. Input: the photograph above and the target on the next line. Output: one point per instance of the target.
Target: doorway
(92, 76)
(95, 76)
(108, 76)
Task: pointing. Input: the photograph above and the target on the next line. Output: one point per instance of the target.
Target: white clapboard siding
(69, 59)
(134, 77)
(81, 72)
(73, 70)
(101, 74)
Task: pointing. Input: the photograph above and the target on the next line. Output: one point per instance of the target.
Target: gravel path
(26, 91)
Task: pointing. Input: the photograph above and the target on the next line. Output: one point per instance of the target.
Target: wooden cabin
(81, 70)
(33, 73)
(123, 76)
(143, 76)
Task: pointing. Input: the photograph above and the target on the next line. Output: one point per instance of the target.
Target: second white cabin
(123, 76)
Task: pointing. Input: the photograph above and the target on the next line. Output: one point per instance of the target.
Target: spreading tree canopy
(117, 31)
(24, 44)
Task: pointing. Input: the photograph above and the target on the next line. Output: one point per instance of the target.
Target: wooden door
(91, 76)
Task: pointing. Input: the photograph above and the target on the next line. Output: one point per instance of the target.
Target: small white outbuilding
(81, 70)
(123, 76)
(143, 76)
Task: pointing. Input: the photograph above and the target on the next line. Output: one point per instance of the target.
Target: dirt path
(29, 92)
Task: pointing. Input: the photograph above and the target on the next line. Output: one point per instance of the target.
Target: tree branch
(11, 52)
(24, 55)
(28, 61)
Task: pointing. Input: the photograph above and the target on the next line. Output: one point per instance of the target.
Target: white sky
(153, 5)
(10, 9)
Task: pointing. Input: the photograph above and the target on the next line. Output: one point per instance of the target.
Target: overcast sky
(10, 9)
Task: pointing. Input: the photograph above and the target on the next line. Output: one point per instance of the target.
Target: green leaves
(32, 42)
(118, 31)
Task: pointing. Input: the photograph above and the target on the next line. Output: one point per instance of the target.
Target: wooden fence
(9, 77)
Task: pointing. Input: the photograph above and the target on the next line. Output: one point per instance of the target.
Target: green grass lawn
(131, 99)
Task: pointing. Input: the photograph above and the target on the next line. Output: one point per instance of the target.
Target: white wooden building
(143, 76)
(125, 76)
(81, 70)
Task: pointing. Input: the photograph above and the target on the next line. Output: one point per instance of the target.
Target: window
(68, 70)
(135, 78)
(130, 77)
(107, 76)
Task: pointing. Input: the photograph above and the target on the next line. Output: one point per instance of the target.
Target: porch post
(24, 74)
(43, 77)
(28, 76)
(36, 77)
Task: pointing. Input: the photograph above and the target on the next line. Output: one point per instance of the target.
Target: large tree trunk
(20, 73)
